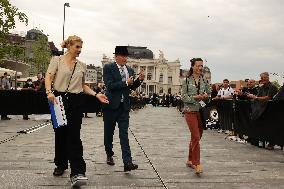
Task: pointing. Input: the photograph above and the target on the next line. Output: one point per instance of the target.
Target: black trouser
(111, 117)
(68, 144)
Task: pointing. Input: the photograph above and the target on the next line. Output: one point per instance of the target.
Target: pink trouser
(193, 120)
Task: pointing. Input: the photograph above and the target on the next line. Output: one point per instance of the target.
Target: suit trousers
(194, 123)
(68, 144)
(121, 117)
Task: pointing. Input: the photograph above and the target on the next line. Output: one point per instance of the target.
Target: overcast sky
(238, 38)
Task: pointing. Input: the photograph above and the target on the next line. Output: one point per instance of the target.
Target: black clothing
(259, 106)
(280, 94)
(40, 85)
(267, 90)
(214, 93)
(68, 145)
(27, 85)
(247, 91)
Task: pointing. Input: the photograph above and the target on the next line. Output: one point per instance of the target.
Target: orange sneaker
(198, 169)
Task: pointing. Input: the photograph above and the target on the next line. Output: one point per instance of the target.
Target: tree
(17, 52)
(41, 54)
(8, 16)
(276, 83)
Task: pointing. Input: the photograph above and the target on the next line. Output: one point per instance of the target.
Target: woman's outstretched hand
(102, 98)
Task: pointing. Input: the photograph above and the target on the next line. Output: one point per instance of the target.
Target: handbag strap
(67, 90)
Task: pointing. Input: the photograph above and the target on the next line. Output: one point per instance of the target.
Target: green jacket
(189, 90)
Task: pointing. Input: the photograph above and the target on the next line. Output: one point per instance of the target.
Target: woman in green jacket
(195, 90)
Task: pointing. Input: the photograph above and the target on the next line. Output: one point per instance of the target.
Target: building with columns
(93, 74)
(161, 75)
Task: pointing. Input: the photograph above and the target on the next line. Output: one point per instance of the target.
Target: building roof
(14, 38)
(33, 34)
(139, 52)
(34, 31)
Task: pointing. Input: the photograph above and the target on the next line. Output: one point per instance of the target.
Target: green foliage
(8, 16)
(15, 52)
(276, 83)
(41, 54)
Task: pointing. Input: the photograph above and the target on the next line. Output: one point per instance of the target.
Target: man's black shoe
(58, 171)
(110, 161)
(130, 166)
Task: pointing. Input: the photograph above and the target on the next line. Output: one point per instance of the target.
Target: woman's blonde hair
(70, 41)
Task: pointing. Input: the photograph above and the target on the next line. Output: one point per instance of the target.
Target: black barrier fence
(31, 102)
(259, 120)
(269, 126)
(237, 116)
(225, 109)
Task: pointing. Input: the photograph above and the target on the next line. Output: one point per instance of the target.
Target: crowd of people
(38, 86)
(166, 100)
(254, 91)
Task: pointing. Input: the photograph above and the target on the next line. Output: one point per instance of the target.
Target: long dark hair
(193, 61)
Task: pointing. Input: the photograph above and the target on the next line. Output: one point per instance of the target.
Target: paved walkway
(26, 160)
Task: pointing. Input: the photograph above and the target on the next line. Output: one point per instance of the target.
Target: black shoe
(110, 160)
(58, 171)
(130, 166)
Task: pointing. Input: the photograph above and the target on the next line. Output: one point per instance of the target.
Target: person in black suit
(119, 81)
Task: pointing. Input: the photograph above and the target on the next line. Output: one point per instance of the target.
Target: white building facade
(91, 75)
(161, 76)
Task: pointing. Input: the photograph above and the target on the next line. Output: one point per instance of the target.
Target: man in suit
(119, 81)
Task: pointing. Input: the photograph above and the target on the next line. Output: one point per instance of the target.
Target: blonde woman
(195, 90)
(67, 74)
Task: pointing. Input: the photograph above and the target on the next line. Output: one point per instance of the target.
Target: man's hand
(216, 98)
(130, 80)
(102, 98)
(251, 96)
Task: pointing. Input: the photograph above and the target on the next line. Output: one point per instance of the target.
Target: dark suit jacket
(115, 87)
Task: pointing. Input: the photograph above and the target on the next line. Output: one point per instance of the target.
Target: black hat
(121, 50)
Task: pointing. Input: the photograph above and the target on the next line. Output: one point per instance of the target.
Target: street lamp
(65, 5)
